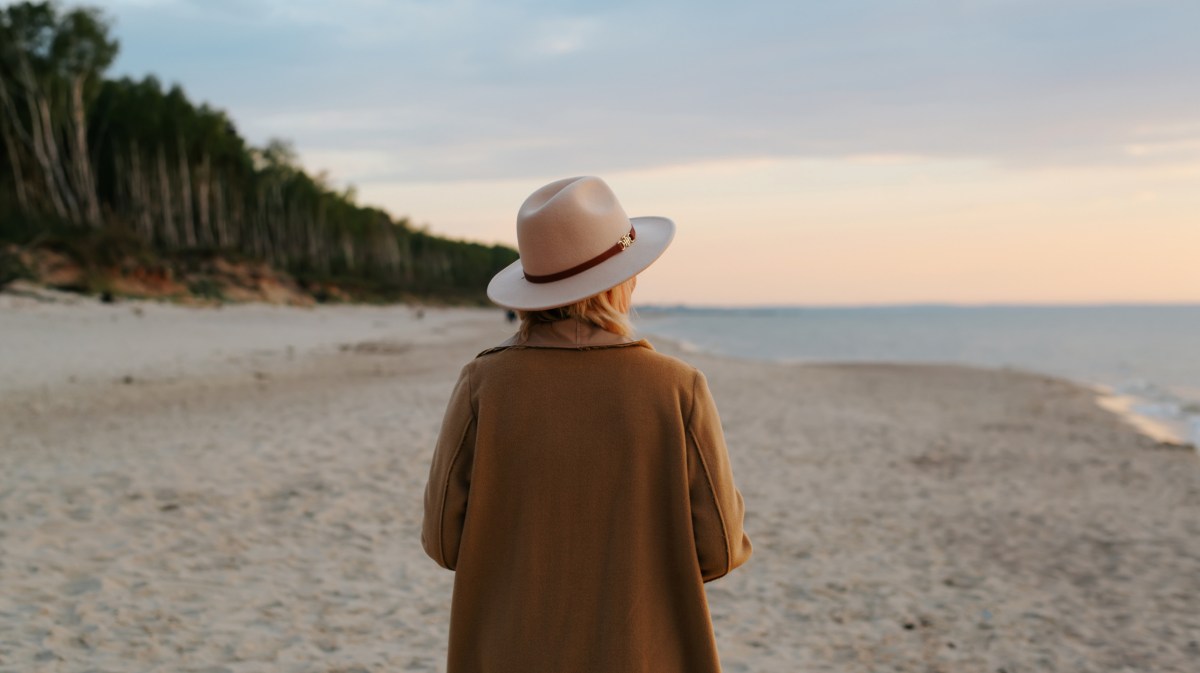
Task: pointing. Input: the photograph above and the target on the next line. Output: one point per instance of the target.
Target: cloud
(117, 4)
(471, 89)
(560, 36)
(347, 167)
(1187, 150)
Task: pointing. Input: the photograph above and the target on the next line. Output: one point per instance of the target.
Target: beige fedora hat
(576, 241)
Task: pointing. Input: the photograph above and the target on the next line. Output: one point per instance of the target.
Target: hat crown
(567, 223)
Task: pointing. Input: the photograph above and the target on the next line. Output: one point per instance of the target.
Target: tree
(81, 149)
(51, 68)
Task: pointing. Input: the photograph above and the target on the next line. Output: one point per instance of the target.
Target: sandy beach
(240, 489)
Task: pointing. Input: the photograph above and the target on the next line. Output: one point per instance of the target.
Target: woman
(580, 487)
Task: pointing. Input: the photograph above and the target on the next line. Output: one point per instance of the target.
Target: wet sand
(239, 489)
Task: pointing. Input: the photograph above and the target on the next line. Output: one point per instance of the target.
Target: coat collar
(568, 334)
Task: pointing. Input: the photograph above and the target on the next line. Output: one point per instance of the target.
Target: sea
(1149, 355)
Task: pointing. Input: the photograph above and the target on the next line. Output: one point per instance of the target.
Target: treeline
(90, 155)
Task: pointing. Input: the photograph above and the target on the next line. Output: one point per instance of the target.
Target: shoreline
(1181, 433)
(75, 366)
(1124, 406)
(1153, 427)
(248, 507)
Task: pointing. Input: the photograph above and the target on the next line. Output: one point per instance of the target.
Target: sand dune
(240, 490)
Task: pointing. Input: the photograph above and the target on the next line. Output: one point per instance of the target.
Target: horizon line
(769, 307)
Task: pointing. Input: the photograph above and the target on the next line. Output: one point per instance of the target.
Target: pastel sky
(849, 152)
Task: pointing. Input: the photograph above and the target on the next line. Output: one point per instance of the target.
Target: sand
(239, 489)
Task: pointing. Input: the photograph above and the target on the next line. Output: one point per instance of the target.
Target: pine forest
(121, 175)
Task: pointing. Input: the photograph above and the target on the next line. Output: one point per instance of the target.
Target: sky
(814, 153)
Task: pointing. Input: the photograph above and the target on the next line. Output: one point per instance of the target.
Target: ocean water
(1148, 352)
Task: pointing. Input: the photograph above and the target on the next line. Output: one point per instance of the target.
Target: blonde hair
(608, 310)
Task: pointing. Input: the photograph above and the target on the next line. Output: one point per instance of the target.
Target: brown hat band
(626, 241)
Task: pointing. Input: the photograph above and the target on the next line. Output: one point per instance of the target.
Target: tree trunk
(139, 190)
(312, 234)
(348, 250)
(50, 145)
(185, 196)
(237, 217)
(14, 158)
(34, 138)
(261, 246)
(223, 239)
(170, 233)
(85, 185)
(203, 201)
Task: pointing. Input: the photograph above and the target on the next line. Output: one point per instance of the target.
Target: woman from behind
(580, 487)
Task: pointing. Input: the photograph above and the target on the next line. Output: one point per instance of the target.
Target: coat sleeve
(450, 477)
(717, 506)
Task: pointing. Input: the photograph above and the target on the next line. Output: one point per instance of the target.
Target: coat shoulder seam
(692, 407)
(450, 471)
(708, 480)
(520, 347)
(716, 504)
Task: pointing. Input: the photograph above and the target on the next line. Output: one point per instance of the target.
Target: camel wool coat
(581, 490)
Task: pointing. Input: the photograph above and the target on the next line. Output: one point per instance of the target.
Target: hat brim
(510, 289)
